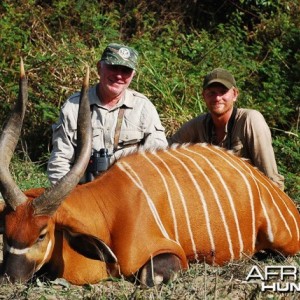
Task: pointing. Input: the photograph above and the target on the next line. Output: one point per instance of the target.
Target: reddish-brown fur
(112, 208)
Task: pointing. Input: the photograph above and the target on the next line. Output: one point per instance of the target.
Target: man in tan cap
(122, 119)
(244, 131)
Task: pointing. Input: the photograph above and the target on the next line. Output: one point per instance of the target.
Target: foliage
(178, 42)
(26, 173)
(288, 146)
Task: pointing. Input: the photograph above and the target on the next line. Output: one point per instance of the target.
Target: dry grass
(201, 281)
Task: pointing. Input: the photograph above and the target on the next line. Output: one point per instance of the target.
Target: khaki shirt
(250, 138)
(141, 127)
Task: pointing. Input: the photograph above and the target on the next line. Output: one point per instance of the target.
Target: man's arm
(261, 149)
(63, 152)
(193, 131)
(154, 137)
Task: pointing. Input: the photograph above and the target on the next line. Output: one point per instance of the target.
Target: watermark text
(284, 278)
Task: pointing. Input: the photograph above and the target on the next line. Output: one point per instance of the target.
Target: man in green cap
(244, 131)
(122, 119)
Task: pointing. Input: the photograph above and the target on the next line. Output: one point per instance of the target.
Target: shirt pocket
(98, 139)
(61, 132)
(97, 132)
(159, 128)
(129, 137)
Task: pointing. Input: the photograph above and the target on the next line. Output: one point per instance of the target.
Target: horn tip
(87, 77)
(22, 69)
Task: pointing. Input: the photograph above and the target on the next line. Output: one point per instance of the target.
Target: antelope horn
(12, 194)
(50, 200)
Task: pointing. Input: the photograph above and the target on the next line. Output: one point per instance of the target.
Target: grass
(201, 281)
(28, 174)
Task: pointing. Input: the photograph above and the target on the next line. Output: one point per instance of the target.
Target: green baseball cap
(120, 55)
(219, 75)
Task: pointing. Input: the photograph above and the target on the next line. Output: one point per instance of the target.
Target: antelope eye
(41, 237)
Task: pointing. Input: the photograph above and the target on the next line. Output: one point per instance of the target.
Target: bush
(178, 42)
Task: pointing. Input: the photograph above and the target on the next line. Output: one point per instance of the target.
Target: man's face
(219, 99)
(114, 79)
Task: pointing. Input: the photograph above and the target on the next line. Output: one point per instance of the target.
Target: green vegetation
(178, 42)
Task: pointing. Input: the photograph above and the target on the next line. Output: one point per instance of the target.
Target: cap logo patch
(124, 53)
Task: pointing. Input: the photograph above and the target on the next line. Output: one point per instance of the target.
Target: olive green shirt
(250, 138)
(141, 127)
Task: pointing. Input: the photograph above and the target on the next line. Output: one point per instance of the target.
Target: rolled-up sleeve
(154, 132)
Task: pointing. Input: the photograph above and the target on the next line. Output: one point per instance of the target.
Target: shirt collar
(126, 101)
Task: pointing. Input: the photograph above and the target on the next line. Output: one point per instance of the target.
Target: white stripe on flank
(268, 220)
(16, 251)
(220, 153)
(216, 198)
(183, 202)
(269, 225)
(167, 190)
(229, 196)
(134, 176)
(275, 204)
(289, 211)
(201, 196)
(266, 216)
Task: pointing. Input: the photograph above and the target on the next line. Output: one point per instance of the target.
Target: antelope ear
(90, 247)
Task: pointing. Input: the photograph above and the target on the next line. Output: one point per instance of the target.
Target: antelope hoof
(162, 268)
